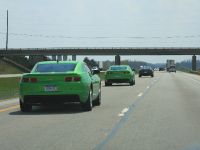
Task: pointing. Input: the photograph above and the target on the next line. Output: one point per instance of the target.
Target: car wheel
(140, 76)
(131, 83)
(25, 107)
(134, 82)
(106, 84)
(152, 75)
(97, 101)
(87, 106)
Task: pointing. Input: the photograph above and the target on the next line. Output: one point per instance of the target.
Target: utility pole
(7, 33)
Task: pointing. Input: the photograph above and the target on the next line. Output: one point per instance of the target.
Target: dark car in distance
(146, 71)
(161, 69)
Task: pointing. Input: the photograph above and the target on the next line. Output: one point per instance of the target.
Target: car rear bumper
(64, 93)
(118, 80)
(146, 74)
(35, 98)
(172, 70)
(50, 99)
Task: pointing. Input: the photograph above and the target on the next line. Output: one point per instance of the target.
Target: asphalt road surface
(160, 113)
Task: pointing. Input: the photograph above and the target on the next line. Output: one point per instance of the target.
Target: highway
(160, 113)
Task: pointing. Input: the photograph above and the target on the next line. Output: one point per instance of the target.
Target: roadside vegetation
(195, 72)
(6, 68)
(186, 66)
(102, 75)
(9, 88)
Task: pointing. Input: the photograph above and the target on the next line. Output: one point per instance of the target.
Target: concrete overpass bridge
(117, 51)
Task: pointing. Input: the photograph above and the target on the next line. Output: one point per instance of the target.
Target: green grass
(102, 74)
(9, 88)
(195, 72)
(6, 68)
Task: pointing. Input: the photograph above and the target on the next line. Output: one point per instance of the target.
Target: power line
(103, 37)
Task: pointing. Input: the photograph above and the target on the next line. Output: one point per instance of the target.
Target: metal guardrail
(17, 64)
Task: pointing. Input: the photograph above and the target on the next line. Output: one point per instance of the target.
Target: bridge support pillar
(64, 57)
(59, 57)
(194, 63)
(74, 57)
(54, 57)
(117, 60)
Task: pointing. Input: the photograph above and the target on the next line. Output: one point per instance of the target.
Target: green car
(119, 74)
(59, 82)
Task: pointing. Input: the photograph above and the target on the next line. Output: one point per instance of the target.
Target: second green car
(119, 74)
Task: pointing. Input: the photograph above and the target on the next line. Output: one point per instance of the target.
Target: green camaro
(53, 82)
(119, 74)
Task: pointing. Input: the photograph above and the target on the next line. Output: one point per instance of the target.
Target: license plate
(50, 88)
(117, 76)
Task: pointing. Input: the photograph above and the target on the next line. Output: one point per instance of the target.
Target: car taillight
(68, 79)
(33, 80)
(77, 78)
(25, 79)
(126, 72)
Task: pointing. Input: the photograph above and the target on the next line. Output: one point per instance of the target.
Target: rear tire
(108, 84)
(25, 107)
(97, 101)
(131, 83)
(87, 106)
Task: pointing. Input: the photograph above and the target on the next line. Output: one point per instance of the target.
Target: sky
(102, 23)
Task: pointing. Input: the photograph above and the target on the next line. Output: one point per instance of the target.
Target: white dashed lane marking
(139, 95)
(125, 110)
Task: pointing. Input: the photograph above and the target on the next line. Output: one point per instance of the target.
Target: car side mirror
(96, 71)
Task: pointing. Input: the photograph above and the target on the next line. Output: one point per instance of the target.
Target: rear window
(55, 67)
(118, 68)
(145, 67)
